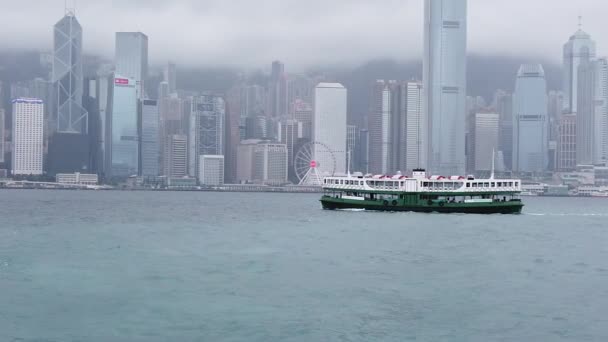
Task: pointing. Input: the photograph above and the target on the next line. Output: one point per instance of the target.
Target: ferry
(420, 193)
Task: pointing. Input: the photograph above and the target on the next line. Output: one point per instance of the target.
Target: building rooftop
(330, 85)
(27, 100)
(531, 70)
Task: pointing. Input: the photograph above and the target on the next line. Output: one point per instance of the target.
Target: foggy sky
(302, 33)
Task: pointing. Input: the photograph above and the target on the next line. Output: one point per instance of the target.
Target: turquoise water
(150, 266)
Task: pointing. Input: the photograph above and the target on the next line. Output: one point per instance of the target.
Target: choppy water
(144, 266)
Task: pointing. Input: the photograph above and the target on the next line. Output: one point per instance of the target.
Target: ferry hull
(509, 207)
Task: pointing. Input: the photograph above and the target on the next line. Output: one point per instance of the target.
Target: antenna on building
(69, 11)
(580, 22)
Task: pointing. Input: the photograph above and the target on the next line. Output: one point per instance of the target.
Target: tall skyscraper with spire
(579, 48)
(70, 116)
(444, 77)
(68, 148)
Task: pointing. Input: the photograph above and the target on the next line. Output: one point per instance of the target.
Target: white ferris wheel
(314, 161)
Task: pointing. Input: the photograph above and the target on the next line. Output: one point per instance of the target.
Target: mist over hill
(485, 74)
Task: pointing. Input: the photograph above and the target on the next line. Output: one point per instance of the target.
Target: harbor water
(204, 266)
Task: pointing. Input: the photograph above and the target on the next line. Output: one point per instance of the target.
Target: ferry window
(516, 184)
(510, 183)
(468, 185)
(493, 184)
(425, 184)
(486, 185)
(474, 185)
(499, 184)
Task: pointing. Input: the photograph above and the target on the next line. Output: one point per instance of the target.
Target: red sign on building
(121, 81)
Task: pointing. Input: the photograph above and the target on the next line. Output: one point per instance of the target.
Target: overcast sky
(302, 33)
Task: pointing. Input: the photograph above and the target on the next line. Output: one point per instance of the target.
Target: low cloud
(246, 33)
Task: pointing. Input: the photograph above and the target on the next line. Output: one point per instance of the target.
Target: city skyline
(361, 42)
(139, 118)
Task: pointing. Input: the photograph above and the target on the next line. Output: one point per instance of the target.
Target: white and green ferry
(419, 193)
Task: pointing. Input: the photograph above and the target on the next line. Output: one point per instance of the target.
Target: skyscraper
(206, 135)
(2, 138)
(362, 153)
(530, 121)
(290, 133)
(444, 76)
(579, 47)
(380, 126)
(352, 135)
(303, 112)
(28, 122)
(68, 142)
(124, 154)
(299, 88)
(592, 111)
(71, 117)
(175, 158)
(277, 91)
(329, 127)
(234, 109)
(104, 89)
(150, 149)
(566, 143)
(132, 58)
(170, 76)
(503, 105)
(415, 151)
(485, 140)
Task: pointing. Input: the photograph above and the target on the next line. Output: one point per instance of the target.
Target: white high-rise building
(486, 140)
(530, 120)
(579, 47)
(28, 122)
(261, 162)
(132, 58)
(415, 152)
(444, 77)
(270, 163)
(211, 170)
(329, 127)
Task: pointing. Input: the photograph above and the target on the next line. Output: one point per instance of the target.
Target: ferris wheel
(314, 161)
